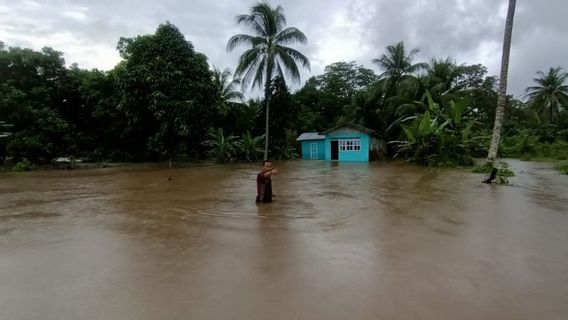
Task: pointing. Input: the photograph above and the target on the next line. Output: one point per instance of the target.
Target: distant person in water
(264, 183)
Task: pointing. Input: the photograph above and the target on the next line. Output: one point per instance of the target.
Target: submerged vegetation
(164, 101)
(502, 174)
(562, 167)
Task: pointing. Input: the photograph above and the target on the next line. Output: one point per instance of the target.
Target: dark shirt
(263, 188)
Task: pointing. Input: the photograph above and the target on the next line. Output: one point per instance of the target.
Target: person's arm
(271, 172)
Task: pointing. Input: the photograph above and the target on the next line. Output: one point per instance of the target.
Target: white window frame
(350, 144)
(313, 150)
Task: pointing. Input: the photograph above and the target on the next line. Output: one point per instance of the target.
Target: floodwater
(341, 241)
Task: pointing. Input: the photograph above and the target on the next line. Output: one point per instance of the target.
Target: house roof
(352, 126)
(310, 136)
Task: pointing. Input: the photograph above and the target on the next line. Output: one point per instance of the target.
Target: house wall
(306, 147)
(378, 149)
(361, 155)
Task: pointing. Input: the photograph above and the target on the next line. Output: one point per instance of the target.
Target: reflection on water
(341, 241)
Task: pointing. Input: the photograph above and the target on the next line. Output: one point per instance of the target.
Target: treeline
(163, 101)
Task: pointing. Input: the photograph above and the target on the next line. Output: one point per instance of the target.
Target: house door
(335, 150)
(313, 151)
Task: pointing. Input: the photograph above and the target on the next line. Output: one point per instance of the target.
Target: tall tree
(551, 92)
(502, 93)
(34, 95)
(325, 97)
(166, 90)
(397, 63)
(344, 79)
(268, 55)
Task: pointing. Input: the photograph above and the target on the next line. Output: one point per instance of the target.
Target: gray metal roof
(310, 136)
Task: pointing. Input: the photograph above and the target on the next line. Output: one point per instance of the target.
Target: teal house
(346, 142)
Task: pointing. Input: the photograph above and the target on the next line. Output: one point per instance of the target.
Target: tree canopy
(163, 101)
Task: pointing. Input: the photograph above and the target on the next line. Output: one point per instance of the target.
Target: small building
(346, 142)
(313, 146)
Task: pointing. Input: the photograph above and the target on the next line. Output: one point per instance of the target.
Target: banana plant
(251, 146)
(222, 148)
(440, 136)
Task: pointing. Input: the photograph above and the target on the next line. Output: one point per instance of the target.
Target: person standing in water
(264, 183)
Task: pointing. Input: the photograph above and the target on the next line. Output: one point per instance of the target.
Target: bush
(528, 148)
(562, 135)
(562, 167)
(286, 149)
(503, 171)
(556, 151)
(24, 165)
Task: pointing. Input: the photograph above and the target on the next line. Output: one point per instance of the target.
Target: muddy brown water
(341, 241)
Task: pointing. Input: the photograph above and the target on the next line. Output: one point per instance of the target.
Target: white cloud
(468, 31)
(78, 13)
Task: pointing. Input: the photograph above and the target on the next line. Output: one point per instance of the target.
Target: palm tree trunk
(267, 101)
(502, 94)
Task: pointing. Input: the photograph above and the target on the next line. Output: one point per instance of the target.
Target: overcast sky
(469, 31)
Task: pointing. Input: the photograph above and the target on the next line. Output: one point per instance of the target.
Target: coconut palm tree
(226, 87)
(551, 92)
(267, 55)
(397, 63)
(502, 93)
(442, 75)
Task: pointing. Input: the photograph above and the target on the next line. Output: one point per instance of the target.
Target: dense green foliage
(165, 89)
(164, 101)
(441, 136)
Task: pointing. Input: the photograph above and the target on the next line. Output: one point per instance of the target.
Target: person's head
(266, 165)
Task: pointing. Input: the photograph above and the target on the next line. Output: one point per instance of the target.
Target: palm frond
(235, 96)
(247, 60)
(290, 35)
(244, 39)
(259, 74)
(280, 18)
(296, 55)
(278, 71)
(252, 21)
(290, 66)
(270, 19)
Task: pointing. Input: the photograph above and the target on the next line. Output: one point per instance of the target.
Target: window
(351, 144)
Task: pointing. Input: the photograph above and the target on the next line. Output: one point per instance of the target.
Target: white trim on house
(349, 144)
(313, 151)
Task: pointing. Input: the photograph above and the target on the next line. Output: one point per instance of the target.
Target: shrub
(504, 171)
(562, 167)
(24, 165)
